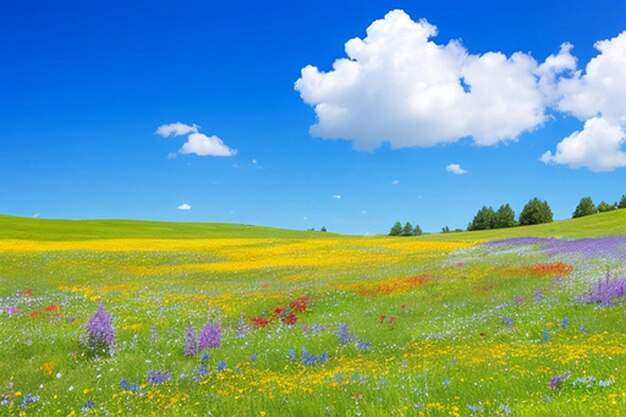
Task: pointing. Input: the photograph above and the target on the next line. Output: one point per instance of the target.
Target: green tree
(584, 208)
(396, 230)
(484, 219)
(323, 229)
(407, 230)
(445, 229)
(535, 212)
(504, 217)
(417, 230)
(622, 203)
(604, 206)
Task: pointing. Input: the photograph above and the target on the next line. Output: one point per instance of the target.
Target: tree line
(535, 211)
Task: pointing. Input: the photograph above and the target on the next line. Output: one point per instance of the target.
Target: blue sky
(85, 86)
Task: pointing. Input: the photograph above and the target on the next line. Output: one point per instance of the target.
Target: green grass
(11, 227)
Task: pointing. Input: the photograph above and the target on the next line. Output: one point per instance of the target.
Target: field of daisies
(312, 324)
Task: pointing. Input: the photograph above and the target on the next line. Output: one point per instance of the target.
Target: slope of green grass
(602, 224)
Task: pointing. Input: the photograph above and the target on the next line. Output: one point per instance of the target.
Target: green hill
(11, 227)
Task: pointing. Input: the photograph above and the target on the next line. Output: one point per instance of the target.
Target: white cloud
(337, 196)
(203, 145)
(254, 161)
(197, 143)
(599, 147)
(398, 86)
(176, 129)
(599, 97)
(395, 182)
(363, 211)
(184, 207)
(456, 169)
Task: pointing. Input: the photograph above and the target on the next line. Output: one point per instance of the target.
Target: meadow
(237, 320)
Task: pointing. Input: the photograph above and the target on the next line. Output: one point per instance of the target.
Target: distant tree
(604, 206)
(396, 230)
(504, 217)
(312, 229)
(445, 229)
(407, 230)
(484, 219)
(323, 229)
(584, 208)
(535, 212)
(622, 202)
(417, 230)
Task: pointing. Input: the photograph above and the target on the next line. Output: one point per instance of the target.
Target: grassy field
(310, 323)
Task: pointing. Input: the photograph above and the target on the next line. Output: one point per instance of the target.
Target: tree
(323, 229)
(484, 219)
(445, 229)
(417, 230)
(585, 208)
(604, 206)
(407, 230)
(622, 203)
(504, 217)
(535, 212)
(396, 230)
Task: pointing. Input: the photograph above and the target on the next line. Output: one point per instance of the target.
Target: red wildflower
(300, 304)
(392, 319)
(290, 319)
(357, 396)
(28, 292)
(52, 307)
(279, 310)
(382, 318)
(403, 306)
(260, 322)
(266, 285)
(36, 313)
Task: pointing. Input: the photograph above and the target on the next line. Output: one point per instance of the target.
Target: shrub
(585, 208)
(535, 212)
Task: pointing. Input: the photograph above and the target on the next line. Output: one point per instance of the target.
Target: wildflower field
(141, 319)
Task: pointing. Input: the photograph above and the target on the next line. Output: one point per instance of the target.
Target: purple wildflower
(29, 399)
(363, 346)
(605, 292)
(210, 335)
(564, 322)
(310, 359)
(158, 377)
(242, 327)
(546, 335)
(100, 334)
(537, 295)
(89, 404)
(508, 320)
(221, 366)
(191, 341)
(556, 382)
(343, 333)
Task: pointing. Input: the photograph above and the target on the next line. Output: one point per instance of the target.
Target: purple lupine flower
(29, 399)
(191, 341)
(242, 327)
(508, 320)
(556, 382)
(100, 334)
(343, 333)
(537, 295)
(210, 335)
(158, 377)
(564, 322)
(221, 366)
(310, 359)
(363, 346)
(605, 292)
(153, 333)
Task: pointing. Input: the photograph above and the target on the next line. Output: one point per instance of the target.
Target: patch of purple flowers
(191, 341)
(605, 292)
(158, 377)
(210, 335)
(99, 332)
(309, 359)
(343, 333)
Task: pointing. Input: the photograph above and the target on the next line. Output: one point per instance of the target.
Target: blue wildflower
(221, 366)
(158, 377)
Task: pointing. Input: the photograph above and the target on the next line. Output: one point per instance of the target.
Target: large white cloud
(197, 143)
(598, 95)
(397, 85)
(597, 147)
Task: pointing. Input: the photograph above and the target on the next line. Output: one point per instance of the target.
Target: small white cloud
(456, 169)
(363, 211)
(203, 145)
(184, 207)
(254, 161)
(197, 143)
(305, 218)
(599, 147)
(395, 182)
(176, 129)
(337, 196)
